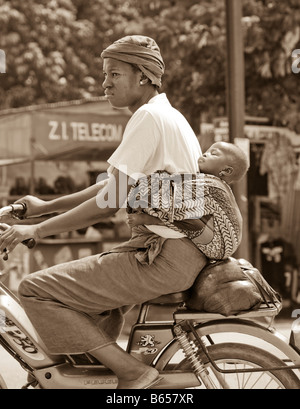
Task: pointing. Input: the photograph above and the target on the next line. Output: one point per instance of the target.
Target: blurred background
(57, 130)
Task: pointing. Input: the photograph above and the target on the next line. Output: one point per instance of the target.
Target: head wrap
(141, 51)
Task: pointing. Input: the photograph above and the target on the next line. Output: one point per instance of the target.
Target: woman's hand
(15, 235)
(35, 206)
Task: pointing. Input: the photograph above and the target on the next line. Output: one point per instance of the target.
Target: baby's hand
(135, 219)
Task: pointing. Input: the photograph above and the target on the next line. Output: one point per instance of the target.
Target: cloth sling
(200, 206)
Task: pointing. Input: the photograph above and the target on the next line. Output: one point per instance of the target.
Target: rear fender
(262, 337)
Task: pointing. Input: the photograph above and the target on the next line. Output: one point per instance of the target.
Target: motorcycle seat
(173, 298)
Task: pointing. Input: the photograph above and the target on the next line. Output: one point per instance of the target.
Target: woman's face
(122, 84)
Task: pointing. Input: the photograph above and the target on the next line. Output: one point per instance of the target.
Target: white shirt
(157, 137)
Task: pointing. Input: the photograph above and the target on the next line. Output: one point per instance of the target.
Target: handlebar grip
(30, 243)
(19, 210)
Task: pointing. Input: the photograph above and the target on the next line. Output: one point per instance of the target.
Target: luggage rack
(265, 311)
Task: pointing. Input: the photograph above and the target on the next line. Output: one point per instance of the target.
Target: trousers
(79, 306)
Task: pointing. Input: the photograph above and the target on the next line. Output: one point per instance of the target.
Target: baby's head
(224, 160)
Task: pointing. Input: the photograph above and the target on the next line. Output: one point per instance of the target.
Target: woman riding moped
(78, 307)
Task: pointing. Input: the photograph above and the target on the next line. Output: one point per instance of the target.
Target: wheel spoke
(236, 357)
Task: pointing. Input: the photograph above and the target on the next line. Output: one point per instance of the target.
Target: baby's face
(215, 159)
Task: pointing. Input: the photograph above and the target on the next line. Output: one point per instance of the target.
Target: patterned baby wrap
(200, 206)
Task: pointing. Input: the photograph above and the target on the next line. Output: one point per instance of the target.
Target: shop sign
(60, 131)
(256, 133)
(84, 131)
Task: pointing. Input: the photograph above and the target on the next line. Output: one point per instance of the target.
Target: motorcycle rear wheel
(233, 356)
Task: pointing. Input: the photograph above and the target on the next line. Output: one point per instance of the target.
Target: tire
(232, 355)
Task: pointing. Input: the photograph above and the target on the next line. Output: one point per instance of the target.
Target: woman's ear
(144, 80)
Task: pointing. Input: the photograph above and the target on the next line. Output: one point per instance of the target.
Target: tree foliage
(53, 52)
(271, 36)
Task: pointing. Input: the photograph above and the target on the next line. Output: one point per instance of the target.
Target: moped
(191, 349)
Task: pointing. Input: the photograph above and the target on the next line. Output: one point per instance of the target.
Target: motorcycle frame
(151, 340)
(21, 341)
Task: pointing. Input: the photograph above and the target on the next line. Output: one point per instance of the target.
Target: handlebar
(17, 211)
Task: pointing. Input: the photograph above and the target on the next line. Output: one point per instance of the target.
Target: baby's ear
(226, 174)
(227, 171)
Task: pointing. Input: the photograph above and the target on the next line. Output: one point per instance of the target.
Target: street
(15, 377)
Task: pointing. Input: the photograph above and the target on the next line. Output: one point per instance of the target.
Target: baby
(218, 233)
(224, 160)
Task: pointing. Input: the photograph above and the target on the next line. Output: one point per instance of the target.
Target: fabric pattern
(200, 206)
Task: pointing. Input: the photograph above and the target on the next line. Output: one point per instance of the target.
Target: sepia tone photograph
(149, 197)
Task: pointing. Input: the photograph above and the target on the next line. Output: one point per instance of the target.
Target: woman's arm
(105, 203)
(136, 219)
(37, 207)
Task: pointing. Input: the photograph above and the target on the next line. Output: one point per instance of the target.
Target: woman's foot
(145, 381)
(132, 373)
